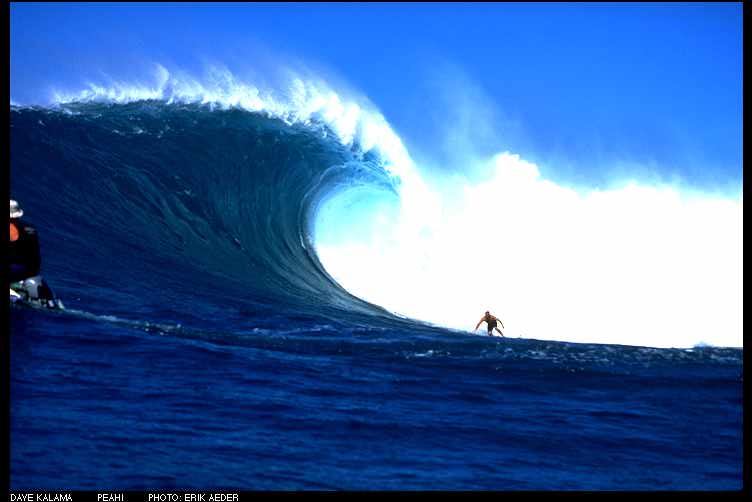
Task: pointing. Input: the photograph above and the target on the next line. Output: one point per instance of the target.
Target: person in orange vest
(24, 262)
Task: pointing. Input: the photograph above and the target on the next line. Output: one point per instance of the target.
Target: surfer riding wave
(491, 321)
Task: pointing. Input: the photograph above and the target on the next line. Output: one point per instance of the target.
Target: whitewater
(266, 278)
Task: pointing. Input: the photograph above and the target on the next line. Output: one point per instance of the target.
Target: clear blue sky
(579, 88)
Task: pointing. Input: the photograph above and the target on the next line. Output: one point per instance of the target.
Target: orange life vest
(13, 233)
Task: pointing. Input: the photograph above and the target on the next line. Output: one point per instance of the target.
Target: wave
(307, 203)
(154, 197)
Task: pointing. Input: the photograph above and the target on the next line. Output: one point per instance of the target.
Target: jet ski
(34, 292)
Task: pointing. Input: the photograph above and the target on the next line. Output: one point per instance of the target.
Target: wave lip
(307, 102)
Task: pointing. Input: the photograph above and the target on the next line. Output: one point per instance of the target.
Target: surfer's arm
(476, 326)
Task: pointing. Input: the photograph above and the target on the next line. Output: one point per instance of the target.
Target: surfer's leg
(44, 292)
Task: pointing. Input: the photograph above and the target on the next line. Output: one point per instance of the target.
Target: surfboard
(21, 298)
(37, 304)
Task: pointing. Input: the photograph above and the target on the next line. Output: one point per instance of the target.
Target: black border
(243, 495)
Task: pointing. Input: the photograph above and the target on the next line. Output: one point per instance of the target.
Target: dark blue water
(204, 345)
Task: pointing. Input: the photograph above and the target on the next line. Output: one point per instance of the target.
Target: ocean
(205, 346)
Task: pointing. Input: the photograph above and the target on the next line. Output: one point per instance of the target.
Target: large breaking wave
(279, 200)
(186, 194)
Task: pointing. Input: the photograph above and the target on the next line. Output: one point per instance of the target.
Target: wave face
(148, 193)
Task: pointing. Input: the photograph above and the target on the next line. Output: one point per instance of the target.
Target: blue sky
(588, 91)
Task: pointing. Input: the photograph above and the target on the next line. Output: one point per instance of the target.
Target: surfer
(23, 252)
(24, 261)
(491, 321)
